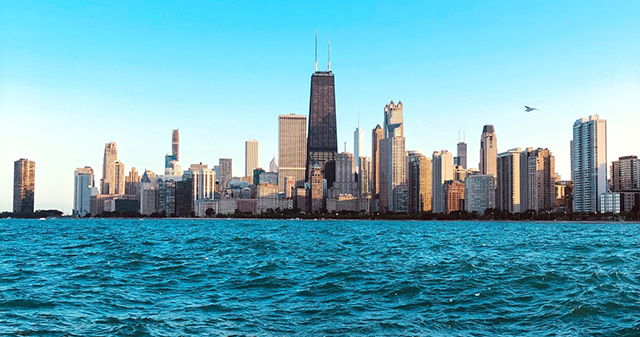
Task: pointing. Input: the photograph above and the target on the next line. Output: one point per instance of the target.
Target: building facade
(419, 175)
(508, 181)
(541, 194)
(442, 171)
(453, 191)
(132, 183)
(376, 136)
(488, 151)
(204, 181)
(226, 173)
(625, 174)
(292, 149)
(358, 145)
(83, 186)
(392, 160)
(461, 158)
(24, 185)
(345, 182)
(117, 178)
(392, 171)
(251, 148)
(479, 194)
(589, 163)
(175, 144)
(364, 177)
(317, 196)
(107, 183)
(322, 141)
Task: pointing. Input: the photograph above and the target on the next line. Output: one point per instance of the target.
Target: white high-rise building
(488, 150)
(82, 190)
(442, 170)
(250, 158)
(392, 161)
(479, 194)
(589, 163)
(393, 120)
(204, 181)
(107, 184)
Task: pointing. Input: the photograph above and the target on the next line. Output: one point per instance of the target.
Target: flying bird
(529, 109)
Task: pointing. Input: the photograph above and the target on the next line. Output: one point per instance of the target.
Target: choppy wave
(251, 277)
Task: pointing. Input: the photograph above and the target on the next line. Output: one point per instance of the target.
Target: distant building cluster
(309, 175)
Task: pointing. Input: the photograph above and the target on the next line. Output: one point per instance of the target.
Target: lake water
(284, 277)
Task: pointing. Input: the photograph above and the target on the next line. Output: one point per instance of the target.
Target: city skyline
(32, 105)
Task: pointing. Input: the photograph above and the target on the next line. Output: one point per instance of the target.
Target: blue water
(260, 277)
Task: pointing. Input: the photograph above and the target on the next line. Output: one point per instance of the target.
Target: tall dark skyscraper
(175, 143)
(322, 141)
(461, 159)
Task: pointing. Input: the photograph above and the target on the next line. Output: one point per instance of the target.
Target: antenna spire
(316, 50)
(345, 146)
(458, 136)
(329, 55)
(464, 136)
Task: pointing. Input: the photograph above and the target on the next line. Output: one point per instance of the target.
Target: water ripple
(253, 277)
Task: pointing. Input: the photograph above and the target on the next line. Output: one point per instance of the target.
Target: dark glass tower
(322, 141)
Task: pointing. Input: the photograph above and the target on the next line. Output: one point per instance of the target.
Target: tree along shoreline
(488, 215)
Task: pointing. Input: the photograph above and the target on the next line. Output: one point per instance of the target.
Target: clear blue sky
(75, 75)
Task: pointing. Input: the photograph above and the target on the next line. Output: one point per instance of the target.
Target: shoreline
(329, 219)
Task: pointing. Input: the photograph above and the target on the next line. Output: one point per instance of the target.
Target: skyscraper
(116, 178)
(358, 145)
(82, 190)
(453, 192)
(376, 136)
(442, 171)
(132, 183)
(292, 149)
(393, 120)
(364, 180)
(250, 158)
(541, 181)
(524, 177)
(589, 163)
(107, 183)
(392, 159)
(273, 165)
(488, 151)
(419, 182)
(316, 196)
(175, 144)
(461, 158)
(226, 173)
(508, 181)
(322, 144)
(204, 181)
(625, 174)
(24, 185)
(345, 179)
(479, 193)
(169, 159)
